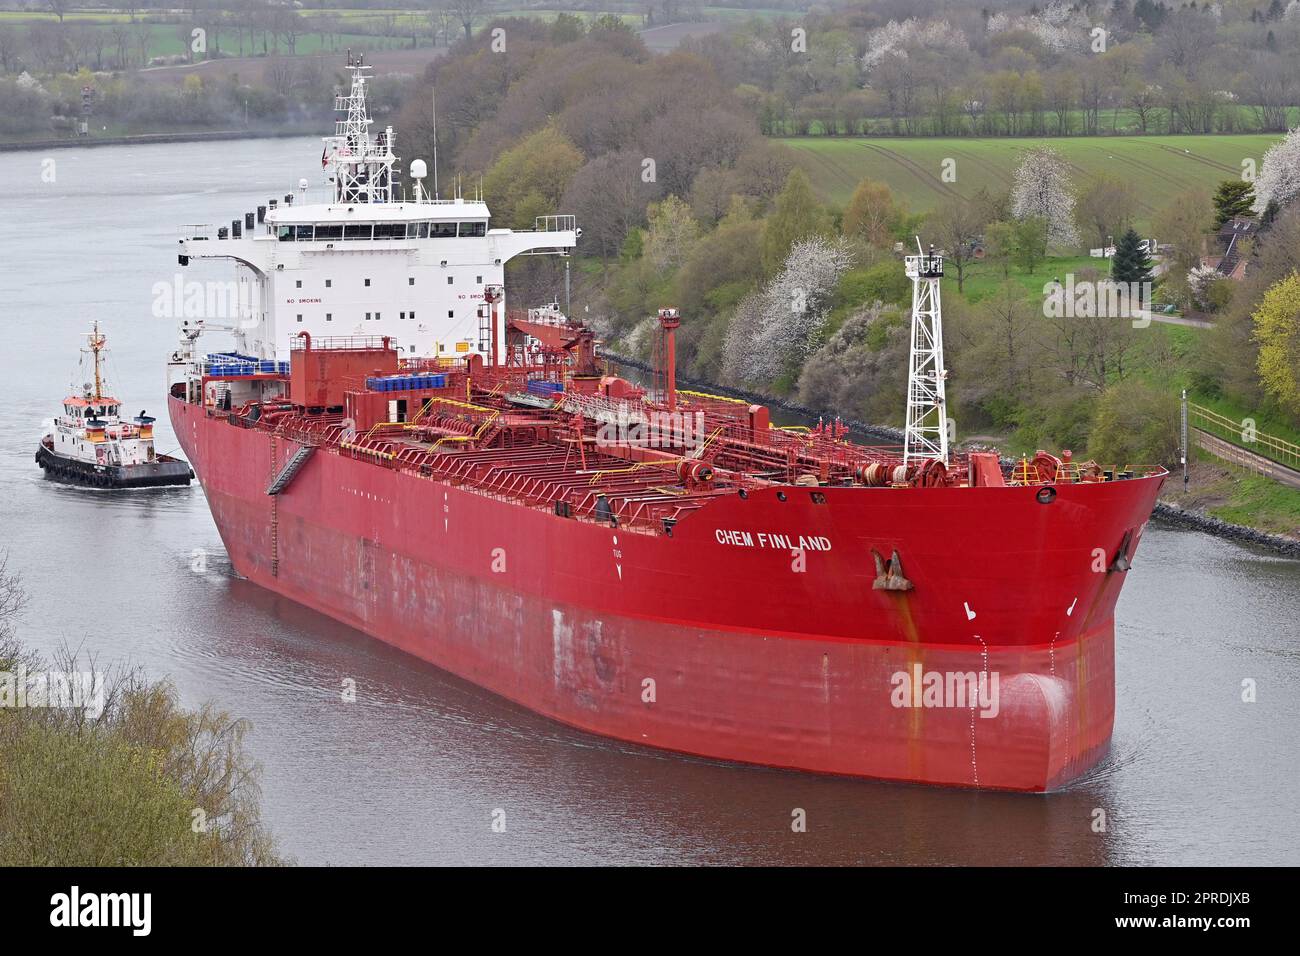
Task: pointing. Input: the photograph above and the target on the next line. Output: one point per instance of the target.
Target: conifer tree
(1130, 262)
(1234, 197)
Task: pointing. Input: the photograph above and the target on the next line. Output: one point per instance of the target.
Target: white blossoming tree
(895, 39)
(1279, 175)
(1199, 282)
(1042, 189)
(779, 323)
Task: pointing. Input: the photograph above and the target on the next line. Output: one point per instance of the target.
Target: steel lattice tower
(362, 164)
(927, 425)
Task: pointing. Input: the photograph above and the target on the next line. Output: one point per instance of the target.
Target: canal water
(413, 771)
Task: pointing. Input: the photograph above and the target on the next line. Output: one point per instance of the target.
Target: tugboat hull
(164, 470)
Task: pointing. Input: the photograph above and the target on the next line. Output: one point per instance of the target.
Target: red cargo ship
(660, 566)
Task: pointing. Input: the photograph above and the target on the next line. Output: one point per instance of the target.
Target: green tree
(671, 235)
(529, 180)
(1277, 330)
(1234, 197)
(1136, 425)
(1130, 262)
(1029, 242)
(871, 214)
(797, 215)
(999, 245)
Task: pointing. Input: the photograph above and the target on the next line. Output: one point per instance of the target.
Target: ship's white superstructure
(367, 262)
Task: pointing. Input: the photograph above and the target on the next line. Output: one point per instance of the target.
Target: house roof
(1238, 227)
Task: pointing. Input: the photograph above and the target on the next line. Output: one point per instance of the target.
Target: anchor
(891, 578)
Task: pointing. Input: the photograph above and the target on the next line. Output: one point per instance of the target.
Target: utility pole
(434, 94)
(1185, 479)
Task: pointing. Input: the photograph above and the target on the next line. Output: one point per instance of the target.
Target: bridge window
(285, 233)
(442, 230)
(304, 233)
(390, 230)
(357, 232)
(475, 230)
(324, 231)
(412, 230)
(424, 230)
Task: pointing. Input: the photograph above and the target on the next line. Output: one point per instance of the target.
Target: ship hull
(161, 472)
(710, 642)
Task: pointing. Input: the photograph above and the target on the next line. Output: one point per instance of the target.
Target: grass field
(1160, 166)
(984, 278)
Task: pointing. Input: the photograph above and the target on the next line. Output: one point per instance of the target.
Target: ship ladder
(290, 469)
(275, 537)
(275, 513)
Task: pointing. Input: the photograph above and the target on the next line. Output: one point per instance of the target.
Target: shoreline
(139, 139)
(1165, 511)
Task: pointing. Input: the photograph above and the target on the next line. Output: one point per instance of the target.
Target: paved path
(1257, 463)
(1180, 320)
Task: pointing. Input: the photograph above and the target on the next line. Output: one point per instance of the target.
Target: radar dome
(418, 169)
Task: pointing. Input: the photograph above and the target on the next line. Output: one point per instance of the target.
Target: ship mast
(362, 166)
(927, 421)
(97, 342)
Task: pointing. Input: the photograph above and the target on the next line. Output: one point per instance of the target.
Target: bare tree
(281, 75)
(142, 38)
(467, 11)
(121, 34)
(11, 45)
(957, 226)
(59, 8)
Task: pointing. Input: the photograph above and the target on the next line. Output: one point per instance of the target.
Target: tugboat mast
(97, 342)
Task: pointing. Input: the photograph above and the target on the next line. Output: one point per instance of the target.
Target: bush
(144, 783)
(1062, 419)
(1135, 425)
(884, 282)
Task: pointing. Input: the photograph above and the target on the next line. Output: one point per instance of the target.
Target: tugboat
(90, 444)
